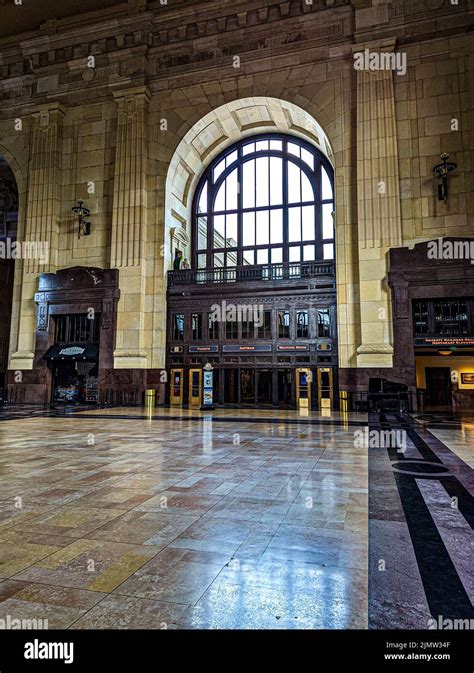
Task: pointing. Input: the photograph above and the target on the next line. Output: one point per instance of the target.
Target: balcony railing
(266, 272)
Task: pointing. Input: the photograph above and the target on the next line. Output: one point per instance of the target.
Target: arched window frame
(235, 254)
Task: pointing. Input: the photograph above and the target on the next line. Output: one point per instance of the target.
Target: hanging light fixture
(441, 171)
(84, 228)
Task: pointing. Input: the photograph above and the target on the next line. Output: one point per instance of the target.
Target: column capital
(386, 44)
(45, 112)
(135, 92)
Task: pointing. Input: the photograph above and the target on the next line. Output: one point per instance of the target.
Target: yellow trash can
(150, 399)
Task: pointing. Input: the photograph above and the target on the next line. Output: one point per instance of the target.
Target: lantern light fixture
(84, 227)
(442, 171)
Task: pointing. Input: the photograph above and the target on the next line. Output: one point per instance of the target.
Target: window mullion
(285, 203)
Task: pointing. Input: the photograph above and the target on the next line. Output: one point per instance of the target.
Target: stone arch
(211, 135)
(21, 184)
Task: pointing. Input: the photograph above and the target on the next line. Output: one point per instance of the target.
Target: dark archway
(8, 234)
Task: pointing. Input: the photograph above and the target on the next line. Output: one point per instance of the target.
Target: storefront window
(264, 330)
(213, 327)
(451, 318)
(178, 327)
(196, 327)
(283, 324)
(302, 324)
(324, 325)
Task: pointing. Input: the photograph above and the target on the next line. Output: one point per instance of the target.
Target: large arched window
(266, 200)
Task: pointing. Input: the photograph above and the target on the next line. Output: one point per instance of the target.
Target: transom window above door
(266, 200)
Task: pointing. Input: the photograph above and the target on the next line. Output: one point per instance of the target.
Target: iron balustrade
(266, 272)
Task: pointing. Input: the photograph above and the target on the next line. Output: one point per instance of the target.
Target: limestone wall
(130, 136)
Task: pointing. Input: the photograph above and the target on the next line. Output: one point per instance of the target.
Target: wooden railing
(266, 272)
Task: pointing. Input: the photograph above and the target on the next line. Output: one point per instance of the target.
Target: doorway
(247, 386)
(75, 382)
(284, 387)
(438, 387)
(231, 386)
(264, 386)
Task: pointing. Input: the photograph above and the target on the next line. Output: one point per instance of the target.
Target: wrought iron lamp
(84, 228)
(441, 171)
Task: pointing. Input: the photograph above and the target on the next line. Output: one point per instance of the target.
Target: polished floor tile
(248, 519)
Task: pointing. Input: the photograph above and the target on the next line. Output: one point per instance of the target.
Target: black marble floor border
(222, 419)
(444, 590)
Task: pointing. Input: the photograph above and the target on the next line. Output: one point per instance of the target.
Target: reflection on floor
(235, 519)
(115, 522)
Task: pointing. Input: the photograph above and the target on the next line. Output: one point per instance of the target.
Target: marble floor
(243, 519)
(249, 518)
(421, 520)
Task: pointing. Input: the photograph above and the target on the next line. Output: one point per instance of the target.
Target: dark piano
(385, 395)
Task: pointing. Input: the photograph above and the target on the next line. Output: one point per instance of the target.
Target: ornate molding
(375, 349)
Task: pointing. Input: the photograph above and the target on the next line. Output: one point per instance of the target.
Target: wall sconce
(84, 228)
(445, 352)
(441, 171)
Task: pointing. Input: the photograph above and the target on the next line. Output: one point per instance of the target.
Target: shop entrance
(231, 386)
(264, 386)
(75, 382)
(247, 386)
(285, 381)
(438, 386)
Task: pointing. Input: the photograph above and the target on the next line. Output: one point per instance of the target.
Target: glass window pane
(277, 255)
(294, 224)
(219, 231)
(249, 257)
(231, 231)
(276, 145)
(248, 229)
(294, 149)
(220, 168)
(326, 188)
(308, 223)
(202, 207)
(328, 221)
(202, 233)
(231, 258)
(262, 256)
(276, 226)
(294, 183)
(262, 227)
(307, 193)
(248, 149)
(308, 253)
(219, 259)
(276, 181)
(248, 188)
(219, 202)
(324, 323)
(231, 158)
(263, 183)
(232, 191)
(328, 251)
(308, 158)
(302, 324)
(201, 261)
(261, 145)
(295, 253)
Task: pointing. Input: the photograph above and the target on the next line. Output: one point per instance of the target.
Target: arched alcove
(210, 136)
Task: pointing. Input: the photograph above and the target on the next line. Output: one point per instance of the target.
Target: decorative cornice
(375, 349)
